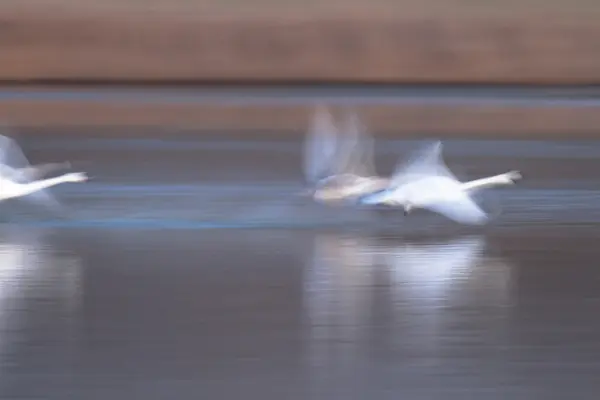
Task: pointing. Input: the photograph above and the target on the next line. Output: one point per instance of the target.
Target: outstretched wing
(360, 147)
(5, 141)
(320, 147)
(426, 163)
(15, 166)
(461, 208)
(11, 154)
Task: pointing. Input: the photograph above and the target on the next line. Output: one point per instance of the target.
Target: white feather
(426, 182)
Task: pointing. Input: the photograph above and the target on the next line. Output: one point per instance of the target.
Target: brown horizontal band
(393, 121)
(38, 45)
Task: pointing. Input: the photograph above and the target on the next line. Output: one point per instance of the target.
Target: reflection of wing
(461, 209)
(429, 270)
(455, 255)
(320, 147)
(426, 163)
(359, 160)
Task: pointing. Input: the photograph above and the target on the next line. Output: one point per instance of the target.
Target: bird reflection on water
(230, 313)
(40, 295)
(364, 293)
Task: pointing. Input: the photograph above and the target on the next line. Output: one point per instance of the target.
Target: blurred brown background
(384, 41)
(524, 41)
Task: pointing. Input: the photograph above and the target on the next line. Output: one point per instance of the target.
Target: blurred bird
(338, 166)
(425, 182)
(19, 179)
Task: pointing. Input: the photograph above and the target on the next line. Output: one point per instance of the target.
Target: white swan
(16, 175)
(425, 182)
(10, 189)
(339, 167)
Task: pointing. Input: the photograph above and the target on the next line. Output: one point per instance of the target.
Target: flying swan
(425, 182)
(18, 177)
(338, 166)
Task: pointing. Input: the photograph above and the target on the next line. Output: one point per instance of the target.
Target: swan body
(19, 179)
(427, 183)
(347, 189)
(339, 167)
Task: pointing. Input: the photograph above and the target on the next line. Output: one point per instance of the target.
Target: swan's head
(75, 177)
(514, 176)
(407, 207)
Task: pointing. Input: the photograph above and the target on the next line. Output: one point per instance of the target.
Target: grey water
(188, 270)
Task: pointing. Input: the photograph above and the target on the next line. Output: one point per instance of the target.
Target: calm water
(152, 289)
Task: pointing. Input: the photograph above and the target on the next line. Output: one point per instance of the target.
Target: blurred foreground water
(150, 291)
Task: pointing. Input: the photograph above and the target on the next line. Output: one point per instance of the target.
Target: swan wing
(360, 148)
(345, 155)
(426, 163)
(5, 142)
(13, 163)
(15, 166)
(461, 209)
(320, 147)
(4, 145)
(11, 154)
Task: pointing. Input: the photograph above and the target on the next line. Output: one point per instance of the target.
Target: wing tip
(437, 146)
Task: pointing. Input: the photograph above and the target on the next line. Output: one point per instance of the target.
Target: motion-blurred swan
(17, 175)
(426, 182)
(339, 166)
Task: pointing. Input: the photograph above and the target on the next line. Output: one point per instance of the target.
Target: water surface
(152, 289)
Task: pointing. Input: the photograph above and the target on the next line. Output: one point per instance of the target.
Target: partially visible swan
(339, 165)
(426, 182)
(17, 175)
(10, 189)
(14, 164)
